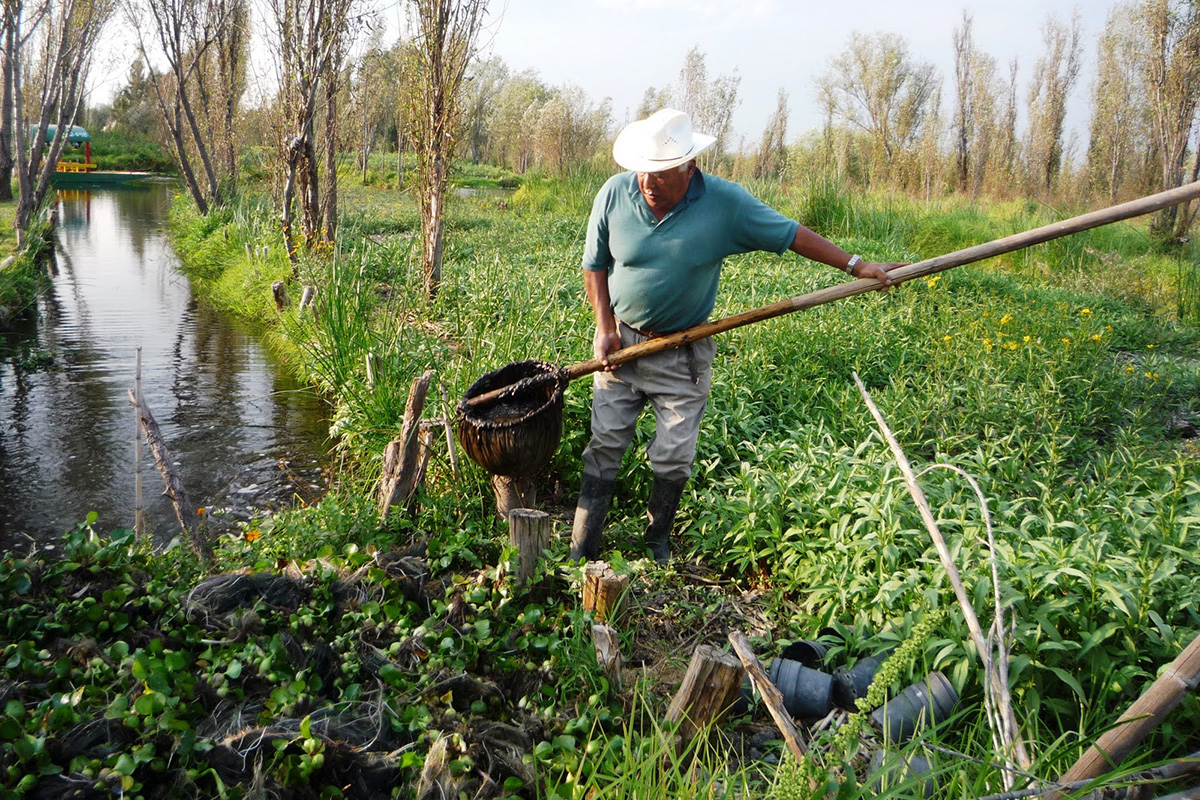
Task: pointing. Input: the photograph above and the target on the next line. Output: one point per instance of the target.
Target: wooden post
(603, 590)
(184, 510)
(608, 652)
(139, 521)
(279, 292)
(769, 693)
(401, 459)
(513, 493)
(372, 368)
(1180, 677)
(712, 683)
(309, 298)
(529, 532)
(450, 438)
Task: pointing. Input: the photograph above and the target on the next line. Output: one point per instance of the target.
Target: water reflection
(242, 432)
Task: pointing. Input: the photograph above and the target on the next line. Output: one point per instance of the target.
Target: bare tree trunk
(6, 113)
(329, 210)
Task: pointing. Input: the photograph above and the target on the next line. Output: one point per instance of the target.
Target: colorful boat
(75, 174)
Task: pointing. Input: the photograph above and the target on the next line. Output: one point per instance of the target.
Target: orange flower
(253, 535)
(200, 511)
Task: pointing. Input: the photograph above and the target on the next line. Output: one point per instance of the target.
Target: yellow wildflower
(931, 280)
(1007, 318)
(1066, 340)
(947, 337)
(1152, 375)
(1149, 347)
(1011, 345)
(1084, 312)
(987, 343)
(1028, 339)
(1096, 337)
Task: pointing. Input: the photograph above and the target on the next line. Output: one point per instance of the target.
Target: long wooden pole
(1180, 677)
(930, 266)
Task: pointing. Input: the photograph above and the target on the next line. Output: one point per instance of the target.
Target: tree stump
(309, 298)
(279, 292)
(513, 493)
(608, 652)
(603, 590)
(529, 532)
(713, 681)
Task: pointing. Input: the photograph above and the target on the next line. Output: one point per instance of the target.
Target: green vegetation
(22, 279)
(113, 150)
(1061, 378)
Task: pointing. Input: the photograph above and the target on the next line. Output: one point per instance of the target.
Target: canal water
(245, 437)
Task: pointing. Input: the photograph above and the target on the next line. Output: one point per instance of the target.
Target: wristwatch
(852, 263)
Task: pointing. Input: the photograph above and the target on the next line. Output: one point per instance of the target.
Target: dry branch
(401, 460)
(1008, 733)
(769, 693)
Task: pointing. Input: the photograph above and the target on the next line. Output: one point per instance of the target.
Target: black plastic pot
(926, 702)
(806, 692)
(808, 652)
(851, 684)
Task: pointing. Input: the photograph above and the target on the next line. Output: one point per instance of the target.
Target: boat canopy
(76, 135)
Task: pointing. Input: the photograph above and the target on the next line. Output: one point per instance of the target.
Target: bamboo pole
(1180, 677)
(929, 266)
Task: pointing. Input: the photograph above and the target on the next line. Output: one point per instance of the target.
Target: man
(656, 239)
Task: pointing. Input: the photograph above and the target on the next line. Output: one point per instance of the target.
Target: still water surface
(244, 435)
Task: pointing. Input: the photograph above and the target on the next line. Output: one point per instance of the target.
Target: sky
(619, 48)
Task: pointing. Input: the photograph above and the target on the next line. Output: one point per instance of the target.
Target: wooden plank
(769, 693)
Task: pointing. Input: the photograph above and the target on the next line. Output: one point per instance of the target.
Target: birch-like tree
(1172, 79)
(709, 102)
(311, 40)
(1118, 102)
(48, 48)
(446, 34)
(771, 159)
(1054, 76)
(512, 120)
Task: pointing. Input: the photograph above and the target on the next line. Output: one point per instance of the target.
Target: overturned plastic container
(808, 652)
(851, 684)
(807, 692)
(925, 703)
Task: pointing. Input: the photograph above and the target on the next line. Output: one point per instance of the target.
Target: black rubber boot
(595, 496)
(664, 502)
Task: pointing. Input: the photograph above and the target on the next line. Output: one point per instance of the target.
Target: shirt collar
(695, 190)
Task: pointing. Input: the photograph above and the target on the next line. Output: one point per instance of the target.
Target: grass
(1063, 378)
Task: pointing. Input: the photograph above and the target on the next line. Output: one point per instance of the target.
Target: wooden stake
(450, 438)
(279, 292)
(139, 521)
(372, 368)
(1180, 677)
(309, 298)
(608, 652)
(712, 683)
(529, 532)
(769, 693)
(184, 510)
(401, 460)
(603, 590)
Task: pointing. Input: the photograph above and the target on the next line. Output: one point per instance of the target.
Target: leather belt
(689, 351)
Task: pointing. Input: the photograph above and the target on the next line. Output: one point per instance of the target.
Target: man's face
(663, 190)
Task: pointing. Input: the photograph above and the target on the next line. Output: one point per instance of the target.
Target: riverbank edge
(23, 275)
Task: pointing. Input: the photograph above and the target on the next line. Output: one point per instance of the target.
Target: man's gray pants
(666, 381)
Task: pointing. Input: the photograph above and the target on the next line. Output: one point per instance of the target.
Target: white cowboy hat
(660, 141)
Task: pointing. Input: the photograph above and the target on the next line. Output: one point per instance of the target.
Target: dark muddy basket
(517, 433)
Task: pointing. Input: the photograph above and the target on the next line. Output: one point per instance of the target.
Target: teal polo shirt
(663, 275)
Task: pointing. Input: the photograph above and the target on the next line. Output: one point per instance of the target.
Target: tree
(771, 159)
(445, 41)
(653, 100)
(511, 122)
(1118, 102)
(877, 87)
(1173, 89)
(311, 44)
(569, 130)
(63, 35)
(185, 34)
(1054, 76)
(483, 86)
(709, 103)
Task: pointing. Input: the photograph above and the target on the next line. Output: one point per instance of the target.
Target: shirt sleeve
(757, 226)
(596, 254)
